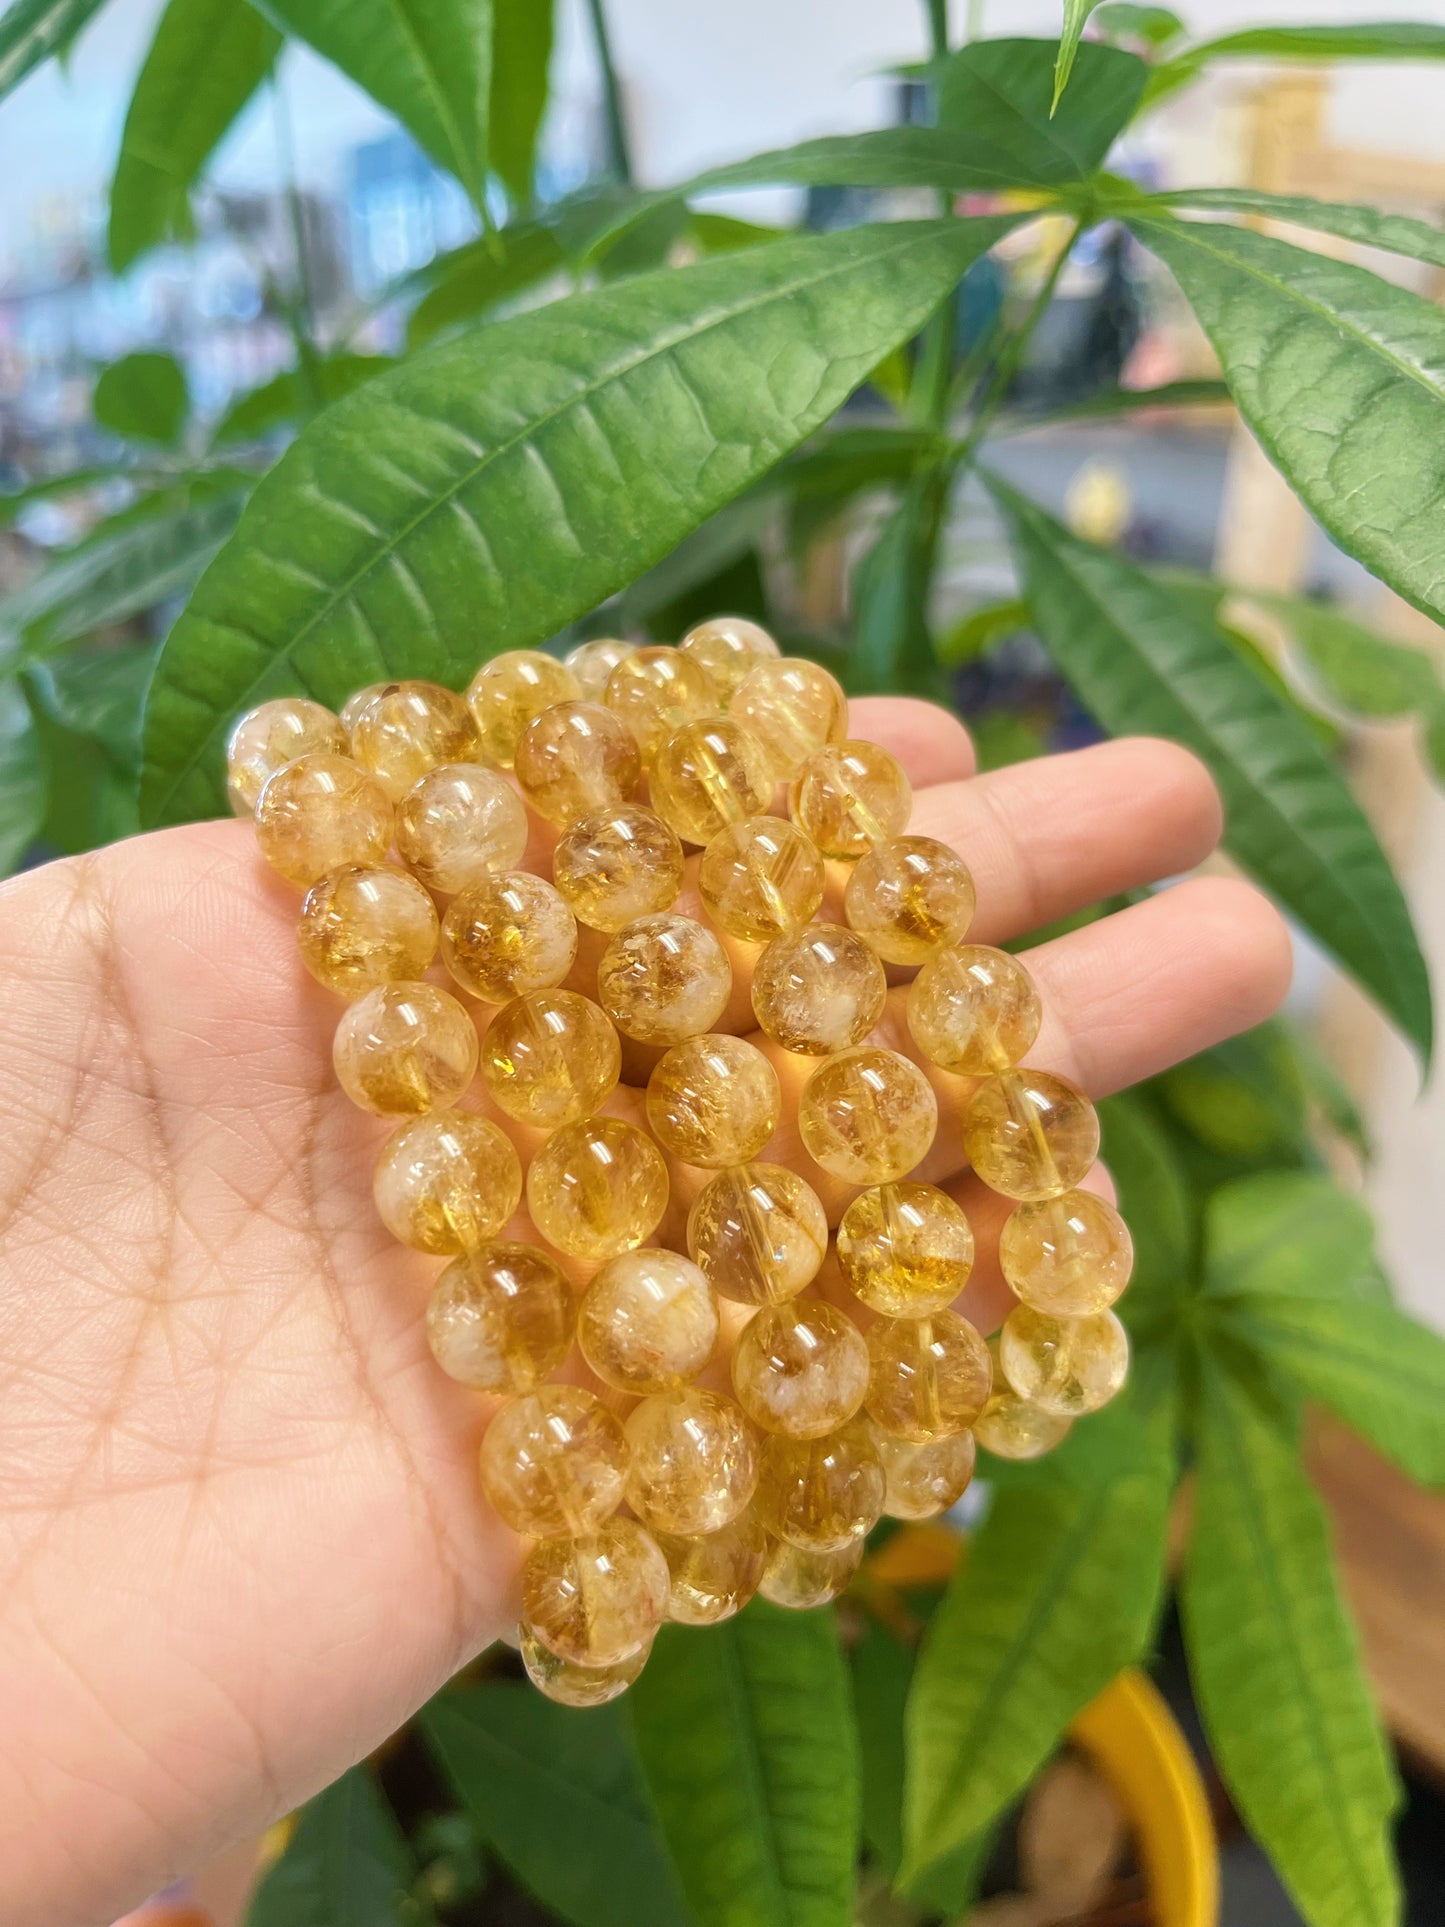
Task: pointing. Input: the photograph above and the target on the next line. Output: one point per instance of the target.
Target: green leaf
(495, 487)
(1120, 401)
(98, 691)
(1435, 741)
(96, 804)
(1397, 233)
(143, 396)
(892, 644)
(1244, 1098)
(347, 1864)
(1276, 1669)
(975, 634)
(725, 233)
(1144, 659)
(207, 59)
(999, 95)
(1357, 669)
(1123, 20)
(1153, 1197)
(76, 482)
(560, 1798)
(32, 30)
(1383, 40)
(24, 777)
(481, 275)
(1076, 12)
(294, 396)
(1287, 1232)
(747, 1739)
(521, 56)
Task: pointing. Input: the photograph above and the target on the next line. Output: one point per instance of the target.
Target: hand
(240, 1531)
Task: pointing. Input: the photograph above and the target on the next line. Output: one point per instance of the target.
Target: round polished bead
(798, 1579)
(906, 1249)
(1011, 1428)
(649, 1322)
(760, 878)
(800, 1368)
(663, 978)
(759, 1233)
(973, 1010)
(447, 1182)
(928, 1378)
(1068, 1256)
(597, 1188)
(576, 757)
(320, 814)
(596, 1600)
(364, 926)
(577, 1686)
(508, 936)
(909, 897)
(924, 1477)
(616, 865)
(1030, 1134)
(821, 1493)
(409, 728)
(459, 825)
(714, 1574)
(501, 1319)
(725, 649)
(593, 662)
(357, 703)
(550, 1058)
(694, 1461)
(1066, 1366)
(272, 735)
(819, 989)
(867, 1115)
(851, 796)
(511, 689)
(794, 709)
(655, 691)
(709, 774)
(713, 1101)
(405, 1048)
(554, 1462)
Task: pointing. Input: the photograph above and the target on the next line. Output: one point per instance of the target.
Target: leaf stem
(931, 390)
(300, 304)
(1011, 354)
(619, 151)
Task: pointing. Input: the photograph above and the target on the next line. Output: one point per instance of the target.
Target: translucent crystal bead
(405, 1048)
(364, 926)
(928, 1378)
(597, 1188)
(794, 709)
(821, 1493)
(908, 897)
(694, 1464)
(924, 1477)
(818, 989)
(593, 662)
(851, 796)
(800, 1368)
(272, 735)
(759, 1233)
(906, 1249)
(709, 774)
(725, 649)
(616, 865)
(508, 936)
(501, 1319)
(511, 689)
(409, 728)
(596, 1601)
(576, 757)
(663, 978)
(550, 1058)
(713, 1101)
(714, 1574)
(1011, 1428)
(799, 1579)
(867, 1115)
(655, 691)
(321, 813)
(1068, 1256)
(760, 878)
(648, 1323)
(459, 825)
(1030, 1134)
(357, 703)
(447, 1182)
(1067, 1366)
(973, 1010)
(554, 1462)
(572, 1685)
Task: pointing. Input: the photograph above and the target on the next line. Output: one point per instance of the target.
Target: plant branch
(300, 303)
(931, 390)
(1011, 354)
(619, 151)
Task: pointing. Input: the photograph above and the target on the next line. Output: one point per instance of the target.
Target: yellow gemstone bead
(648, 1323)
(694, 1463)
(725, 649)
(320, 814)
(459, 825)
(851, 796)
(1069, 1256)
(713, 1101)
(616, 865)
(597, 1188)
(821, 1493)
(906, 1249)
(655, 691)
(501, 1319)
(924, 1477)
(663, 978)
(928, 1378)
(1030, 1134)
(554, 1462)
(794, 709)
(798, 1579)
(709, 774)
(1011, 1428)
(800, 1368)
(272, 735)
(409, 728)
(447, 1182)
(364, 926)
(819, 989)
(596, 1601)
(867, 1115)
(760, 878)
(714, 1574)
(593, 662)
(576, 757)
(405, 1048)
(577, 1686)
(909, 897)
(1066, 1366)
(973, 1010)
(508, 936)
(759, 1233)
(511, 689)
(550, 1058)
(356, 705)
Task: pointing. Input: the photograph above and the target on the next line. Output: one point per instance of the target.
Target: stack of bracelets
(660, 1499)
